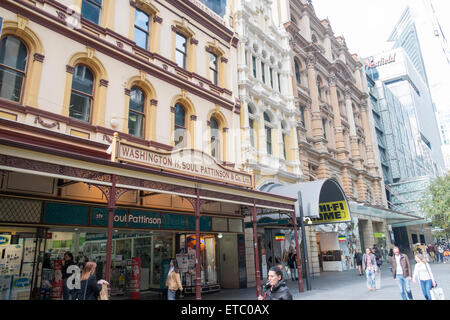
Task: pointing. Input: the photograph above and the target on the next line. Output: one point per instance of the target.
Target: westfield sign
(371, 63)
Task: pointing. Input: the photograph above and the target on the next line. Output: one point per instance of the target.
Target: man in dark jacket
(402, 273)
(275, 288)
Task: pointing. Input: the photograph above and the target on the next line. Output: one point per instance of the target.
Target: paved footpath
(347, 285)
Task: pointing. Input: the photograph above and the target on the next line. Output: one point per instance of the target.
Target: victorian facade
(335, 133)
(120, 142)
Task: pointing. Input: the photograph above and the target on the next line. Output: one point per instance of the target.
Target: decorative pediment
(147, 6)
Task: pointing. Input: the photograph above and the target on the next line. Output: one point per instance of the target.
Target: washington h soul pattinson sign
(189, 161)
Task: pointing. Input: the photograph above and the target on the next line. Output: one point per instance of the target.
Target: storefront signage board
(332, 212)
(99, 217)
(66, 214)
(187, 161)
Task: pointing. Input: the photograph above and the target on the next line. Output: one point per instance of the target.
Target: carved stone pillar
(353, 137)
(338, 129)
(316, 121)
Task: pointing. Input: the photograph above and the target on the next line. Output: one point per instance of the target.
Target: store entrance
(154, 249)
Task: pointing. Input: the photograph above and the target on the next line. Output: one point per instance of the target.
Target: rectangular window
(80, 106)
(269, 140)
(91, 10)
(271, 77)
(324, 123)
(213, 68)
(279, 82)
(141, 29)
(254, 66)
(181, 50)
(252, 134)
(263, 72)
(302, 116)
(284, 145)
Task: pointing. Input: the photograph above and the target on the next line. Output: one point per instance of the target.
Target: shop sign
(332, 212)
(187, 161)
(371, 63)
(5, 240)
(21, 283)
(379, 235)
(280, 237)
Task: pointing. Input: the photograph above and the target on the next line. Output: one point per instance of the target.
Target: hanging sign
(332, 212)
(342, 238)
(280, 237)
(187, 161)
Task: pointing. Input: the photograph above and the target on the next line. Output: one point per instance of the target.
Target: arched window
(268, 134)
(136, 114)
(297, 71)
(91, 10)
(142, 29)
(215, 138)
(180, 126)
(13, 63)
(82, 94)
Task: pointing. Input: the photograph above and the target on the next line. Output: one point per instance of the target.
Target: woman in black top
(89, 287)
(275, 288)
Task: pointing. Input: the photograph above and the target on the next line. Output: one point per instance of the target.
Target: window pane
(181, 43)
(266, 117)
(252, 136)
(180, 140)
(181, 61)
(80, 107)
(91, 11)
(83, 79)
(263, 72)
(137, 100)
(13, 53)
(214, 138)
(297, 72)
(140, 37)
(269, 140)
(180, 116)
(135, 124)
(10, 84)
(141, 19)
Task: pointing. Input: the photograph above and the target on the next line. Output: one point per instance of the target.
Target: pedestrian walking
(402, 273)
(441, 253)
(173, 280)
(423, 274)
(89, 287)
(292, 263)
(358, 260)
(431, 252)
(68, 261)
(446, 255)
(275, 288)
(370, 266)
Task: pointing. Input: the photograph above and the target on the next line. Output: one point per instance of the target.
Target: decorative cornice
(37, 119)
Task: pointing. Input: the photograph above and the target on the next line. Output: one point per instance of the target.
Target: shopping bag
(437, 294)
(104, 292)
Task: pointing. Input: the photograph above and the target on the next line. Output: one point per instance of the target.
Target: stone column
(316, 121)
(338, 129)
(369, 146)
(353, 137)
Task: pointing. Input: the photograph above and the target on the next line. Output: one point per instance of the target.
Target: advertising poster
(21, 288)
(57, 280)
(5, 287)
(135, 282)
(183, 262)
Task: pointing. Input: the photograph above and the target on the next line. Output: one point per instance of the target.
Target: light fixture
(220, 236)
(116, 230)
(76, 229)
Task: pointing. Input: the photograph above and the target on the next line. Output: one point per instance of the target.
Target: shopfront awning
(313, 194)
(392, 217)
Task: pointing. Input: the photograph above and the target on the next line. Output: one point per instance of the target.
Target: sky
(367, 24)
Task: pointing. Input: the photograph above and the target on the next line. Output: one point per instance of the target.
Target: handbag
(104, 292)
(437, 293)
(84, 296)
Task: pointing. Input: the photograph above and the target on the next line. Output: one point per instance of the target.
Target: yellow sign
(332, 212)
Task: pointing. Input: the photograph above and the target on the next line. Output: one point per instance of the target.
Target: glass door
(161, 253)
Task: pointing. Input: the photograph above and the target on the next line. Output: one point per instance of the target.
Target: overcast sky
(367, 24)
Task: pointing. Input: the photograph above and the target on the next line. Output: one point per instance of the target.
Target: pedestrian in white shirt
(422, 273)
